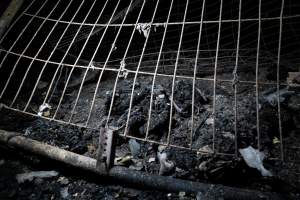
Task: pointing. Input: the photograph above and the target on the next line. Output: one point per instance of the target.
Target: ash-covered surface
(179, 163)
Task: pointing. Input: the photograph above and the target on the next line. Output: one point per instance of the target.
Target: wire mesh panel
(206, 76)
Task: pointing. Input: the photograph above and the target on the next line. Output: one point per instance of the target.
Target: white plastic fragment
(254, 159)
(44, 110)
(144, 28)
(21, 178)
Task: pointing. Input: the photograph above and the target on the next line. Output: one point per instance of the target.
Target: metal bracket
(106, 150)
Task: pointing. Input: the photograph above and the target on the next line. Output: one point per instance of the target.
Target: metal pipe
(16, 140)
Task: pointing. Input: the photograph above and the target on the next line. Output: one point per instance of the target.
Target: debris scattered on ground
(254, 159)
(135, 148)
(29, 176)
(44, 110)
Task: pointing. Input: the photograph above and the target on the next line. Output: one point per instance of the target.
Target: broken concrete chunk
(21, 178)
(254, 159)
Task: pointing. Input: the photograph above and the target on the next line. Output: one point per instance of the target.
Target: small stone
(135, 148)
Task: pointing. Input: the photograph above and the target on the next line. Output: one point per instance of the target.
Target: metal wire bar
(87, 69)
(102, 71)
(155, 72)
(174, 76)
(215, 76)
(138, 67)
(161, 74)
(50, 56)
(13, 45)
(72, 69)
(37, 54)
(278, 85)
(235, 80)
(195, 73)
(64, 56)
(256, 77)
(123, 59)
(29, 67)
(173, 23)
(112, 46)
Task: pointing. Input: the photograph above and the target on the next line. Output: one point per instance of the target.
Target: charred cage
(207, 77)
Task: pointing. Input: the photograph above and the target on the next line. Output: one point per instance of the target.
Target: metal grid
(86, 35)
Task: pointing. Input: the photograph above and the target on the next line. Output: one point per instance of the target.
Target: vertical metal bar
(137, 70)
(123, 59)
(278, 85)
(215, 76)
(97, 48)
(256, 76)
(26, 73)
(156, 69)
(235, 79)
(175, 71)
(106, 61)
(195, 72)
(50, 56)
(63, 59)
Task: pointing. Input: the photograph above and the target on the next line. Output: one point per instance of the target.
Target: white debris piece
(21, 178)
(123, 72)
(210, 121)
(144, 28)
(151, 160)
(165, 165)
(254, 158)
(44, 110)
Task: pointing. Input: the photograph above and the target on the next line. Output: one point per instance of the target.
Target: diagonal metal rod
(174, 75)
(137, 70)
(215, 77)
(156, 69)
(195, 72)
